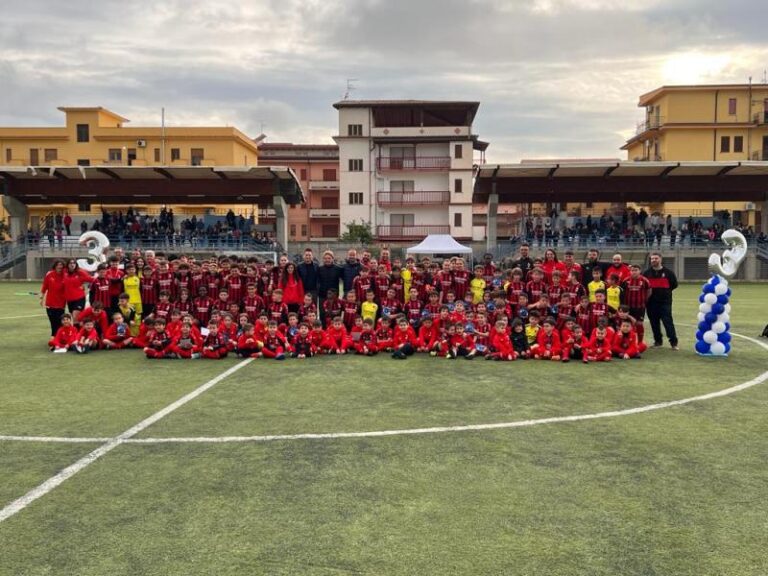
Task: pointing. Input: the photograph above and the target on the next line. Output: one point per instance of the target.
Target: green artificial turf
(681, 491)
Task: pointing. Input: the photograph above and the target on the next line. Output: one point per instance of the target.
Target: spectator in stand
(663, 281)
(52, 295)
(68, 223)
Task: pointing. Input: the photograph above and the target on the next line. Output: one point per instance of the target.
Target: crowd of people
(178, 307)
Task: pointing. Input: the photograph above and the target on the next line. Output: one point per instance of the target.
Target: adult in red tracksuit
(74, 278)
(53, 296)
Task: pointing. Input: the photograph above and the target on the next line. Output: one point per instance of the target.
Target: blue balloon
(711, 318)
(727, 326)
(699, 334)
(722, 299)
(704, 326)
(701, 299)
(727, 347)
(715, 280)
(728, 293)
(702, 347)
(718, 309)
(724, 337)
(708, 289)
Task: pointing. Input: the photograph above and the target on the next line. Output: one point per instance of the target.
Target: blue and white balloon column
(713, 337)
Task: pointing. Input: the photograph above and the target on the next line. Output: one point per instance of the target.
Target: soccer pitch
(208, 489)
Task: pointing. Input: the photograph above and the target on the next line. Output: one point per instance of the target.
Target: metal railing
(415, 163)
(650, 123)
(760, 155)
(412, 198)
(410, 232)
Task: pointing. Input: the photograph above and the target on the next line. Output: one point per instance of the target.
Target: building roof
(371, 103)
(291, 146)
(101, 109)
(653, 95)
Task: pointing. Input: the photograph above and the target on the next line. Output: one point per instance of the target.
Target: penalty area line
(18, 317)
(19, 504)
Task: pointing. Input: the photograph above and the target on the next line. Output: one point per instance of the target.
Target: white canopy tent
(439, 244)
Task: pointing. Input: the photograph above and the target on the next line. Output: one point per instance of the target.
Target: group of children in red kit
(186, 309)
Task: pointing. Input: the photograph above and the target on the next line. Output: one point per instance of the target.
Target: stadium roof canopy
(623, 182)
(121, 184)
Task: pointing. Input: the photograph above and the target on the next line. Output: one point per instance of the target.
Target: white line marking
(27, 316)
(59, 439)
(43, 489)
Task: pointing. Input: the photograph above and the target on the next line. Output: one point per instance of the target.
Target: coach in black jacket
(328, 276)
(663, 281)
(308, 273)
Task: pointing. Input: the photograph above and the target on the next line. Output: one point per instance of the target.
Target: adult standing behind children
(328, 276)
(74, 278)
(308, 273)
(52, 295)
(663, 281)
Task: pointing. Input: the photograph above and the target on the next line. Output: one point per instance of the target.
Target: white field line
(43, 489)
(17, 317)
(53, 439)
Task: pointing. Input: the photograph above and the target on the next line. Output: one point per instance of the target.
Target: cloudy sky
(555, 78)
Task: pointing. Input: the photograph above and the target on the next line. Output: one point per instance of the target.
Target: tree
(358, 233)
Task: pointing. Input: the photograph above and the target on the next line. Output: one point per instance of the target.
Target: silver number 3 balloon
(728, 264)
(98, 243)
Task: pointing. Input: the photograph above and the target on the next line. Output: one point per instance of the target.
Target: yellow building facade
(95, 136)
(707, 123)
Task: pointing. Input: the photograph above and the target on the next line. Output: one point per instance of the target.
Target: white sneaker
(60, 351)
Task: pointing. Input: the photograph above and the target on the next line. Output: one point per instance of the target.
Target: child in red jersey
(349, 310)
(500, 347)
(317, 335)
(278, 310)
(579, 348)
(361, 284)
(384, 334)
(564, 311)
(221, 303)
(336, 339)
(427, 335)
(566, 338)
(65, 336)
(87, 339)
(158, 341)
(547, 346)
(228, 331)
(463, 343)
(118, 334)
(306, 308)
(253, 304)
(366, 343)
(584, 315)
(332, 307)
(625, 344)
(412, 308)
(214, 344)
(275, 345)
(389, 305)
(302, 344)
(404, 341)
(599, 346)
(115, 276)
(248, 346)
(574, 288)
(96, 313)
(99, 291)
(186, 344)
(536, 287)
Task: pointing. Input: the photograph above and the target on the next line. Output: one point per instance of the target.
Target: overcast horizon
(555, 78)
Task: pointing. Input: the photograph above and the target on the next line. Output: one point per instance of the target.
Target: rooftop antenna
(765, 76)
(350, 87)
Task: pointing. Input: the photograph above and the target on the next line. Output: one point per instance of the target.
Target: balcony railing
(323, 184)
(412, 198)
(651, 123)
(410, 232)
(760, 118)
(760, 155)
(417, 163)
(649, 158)
(324, 212)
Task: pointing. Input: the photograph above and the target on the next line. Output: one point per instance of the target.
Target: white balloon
(717, 349)
(724, 318)
(727, 308)
(718, 327)
(710, 337)
(701, 316)
(710, 298)
(721, 289)
(706, 308)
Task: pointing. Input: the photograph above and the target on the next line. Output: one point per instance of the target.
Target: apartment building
(406, 166)
(317, 168)
(720, 122)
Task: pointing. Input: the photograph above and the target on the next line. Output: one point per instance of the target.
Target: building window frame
(356, 198)
(8, 154)
(732, 106)
(355, 164)
(196, 156)
(157, 155)
(115, 155)
(458, 151)
(457, 219)
(738, 144)
(725, 144)
(50, 154)
(83, 132)
(458, 185)
(354, 129)
(175, 154)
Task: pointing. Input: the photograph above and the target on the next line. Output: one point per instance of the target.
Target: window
(115, 155)
(402, 185)
(355, 197)
(725, 144)
(83, 133)
(329, 203)
(34, 156)
(402, 157)
(354, 130)
(458, 151)
(732, 106)
(457, 219)
(329, 175)
(157, 154)
(330, 231)
(196, 156)
(458, 185)
(738, 143)
(293, 229)
(303, 174)
(355, 164)
(131, 156)
(83, 162)
(50, 154)
(83, 207)
(175, 154)
(303, 229)
(8, 154)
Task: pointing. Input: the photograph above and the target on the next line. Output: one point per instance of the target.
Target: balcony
(412, 198)
(323, 184)
(651, 123)
(417, 163)
(420, 132)
(323, 212)
(761, 155)
(760, 118)
(410, 232)
(650, 158)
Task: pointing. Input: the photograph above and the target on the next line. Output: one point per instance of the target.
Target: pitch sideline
(19, 504)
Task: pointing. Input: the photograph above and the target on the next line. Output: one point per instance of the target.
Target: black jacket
(328, 279)
(662, 282)
(350, 271)
(308, 275)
